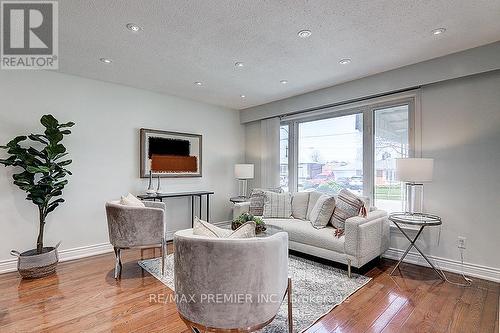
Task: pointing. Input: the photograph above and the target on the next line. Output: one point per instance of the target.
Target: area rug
(316, 289)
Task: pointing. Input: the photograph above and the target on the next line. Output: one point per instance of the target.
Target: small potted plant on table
(260, 226)
(42, 173)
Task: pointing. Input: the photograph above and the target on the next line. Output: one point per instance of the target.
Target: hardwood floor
(84, 297)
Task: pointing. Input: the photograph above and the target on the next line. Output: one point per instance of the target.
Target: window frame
(367, 108)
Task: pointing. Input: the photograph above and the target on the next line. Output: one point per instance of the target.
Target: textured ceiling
(186, 41)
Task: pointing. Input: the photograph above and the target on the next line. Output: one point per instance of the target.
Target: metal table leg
(412, 244)
(192, 211)
(208, 207)
(199, 208)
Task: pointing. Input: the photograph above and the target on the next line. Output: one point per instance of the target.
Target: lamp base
(242, 188)
(414, 203)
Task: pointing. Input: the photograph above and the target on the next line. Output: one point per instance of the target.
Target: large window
(330, 154)
(354, 147)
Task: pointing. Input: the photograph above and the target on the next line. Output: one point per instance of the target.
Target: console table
(192, 195)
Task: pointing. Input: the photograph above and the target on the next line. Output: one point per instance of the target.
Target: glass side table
(421, 220)
(239, 199)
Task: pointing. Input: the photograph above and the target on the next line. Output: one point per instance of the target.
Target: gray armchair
(136, 227)
(212, 274)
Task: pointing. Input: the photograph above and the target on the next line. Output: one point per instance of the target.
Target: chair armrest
(367, 236)
(240, 208)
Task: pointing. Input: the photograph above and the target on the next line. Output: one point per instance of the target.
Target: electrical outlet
(461, 242)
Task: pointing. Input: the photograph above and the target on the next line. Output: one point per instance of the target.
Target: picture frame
(173, 154)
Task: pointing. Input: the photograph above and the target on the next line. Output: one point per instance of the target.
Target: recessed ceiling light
(242, 96)
(283, 81)
(133, 27)
(239, 64)
(304, 33)
(198, 83)
(344, 61)
(106, 60)
(438, 31)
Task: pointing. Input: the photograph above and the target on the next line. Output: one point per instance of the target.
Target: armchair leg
(163, 255)
(349, 268)
(118, 262)
(290, 318)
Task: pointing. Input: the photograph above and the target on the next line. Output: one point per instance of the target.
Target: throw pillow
(348, 205)
(203, 228)
(313, 197)
(277, 205)
(246, 230)
(257, 200)
(131, 200)
(322, 211)
(300, 201)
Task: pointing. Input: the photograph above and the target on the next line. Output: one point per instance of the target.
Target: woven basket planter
(32, 266)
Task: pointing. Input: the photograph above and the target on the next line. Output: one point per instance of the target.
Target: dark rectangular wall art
(170, 154)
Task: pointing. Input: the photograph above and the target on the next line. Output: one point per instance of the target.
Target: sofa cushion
(348, 205)
(277, 204)
(300, 200)
(313, 197)
(322, 211)
(300, 231)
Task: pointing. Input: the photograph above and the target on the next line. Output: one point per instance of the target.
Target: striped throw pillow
(347, 205)
(277, 205)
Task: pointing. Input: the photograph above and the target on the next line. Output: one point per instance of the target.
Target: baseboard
(10, 265)
(64, 255)
(447, 265)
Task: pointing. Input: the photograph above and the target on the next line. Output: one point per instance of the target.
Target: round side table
(238, 199)
(421, 220)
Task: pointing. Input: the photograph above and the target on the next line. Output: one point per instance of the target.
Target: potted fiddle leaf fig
(40, 170)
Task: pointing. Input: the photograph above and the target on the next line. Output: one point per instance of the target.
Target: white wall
(461, 131)
(105, 149)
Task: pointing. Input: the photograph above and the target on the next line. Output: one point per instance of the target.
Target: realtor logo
(29, 35)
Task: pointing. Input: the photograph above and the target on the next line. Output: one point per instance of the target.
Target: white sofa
(364, 239)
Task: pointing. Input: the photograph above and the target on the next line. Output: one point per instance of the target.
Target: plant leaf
(39, 137)
(68, 124)
(54, 135)
(64, 163)
(49, 121)
(15, 142)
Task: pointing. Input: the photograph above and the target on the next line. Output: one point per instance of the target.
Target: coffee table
(270, 230)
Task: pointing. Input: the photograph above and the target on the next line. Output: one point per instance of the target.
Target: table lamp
(414, 172)
(243, 172)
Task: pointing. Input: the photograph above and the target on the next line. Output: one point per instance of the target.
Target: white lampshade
(243, 171)
(414, 169)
